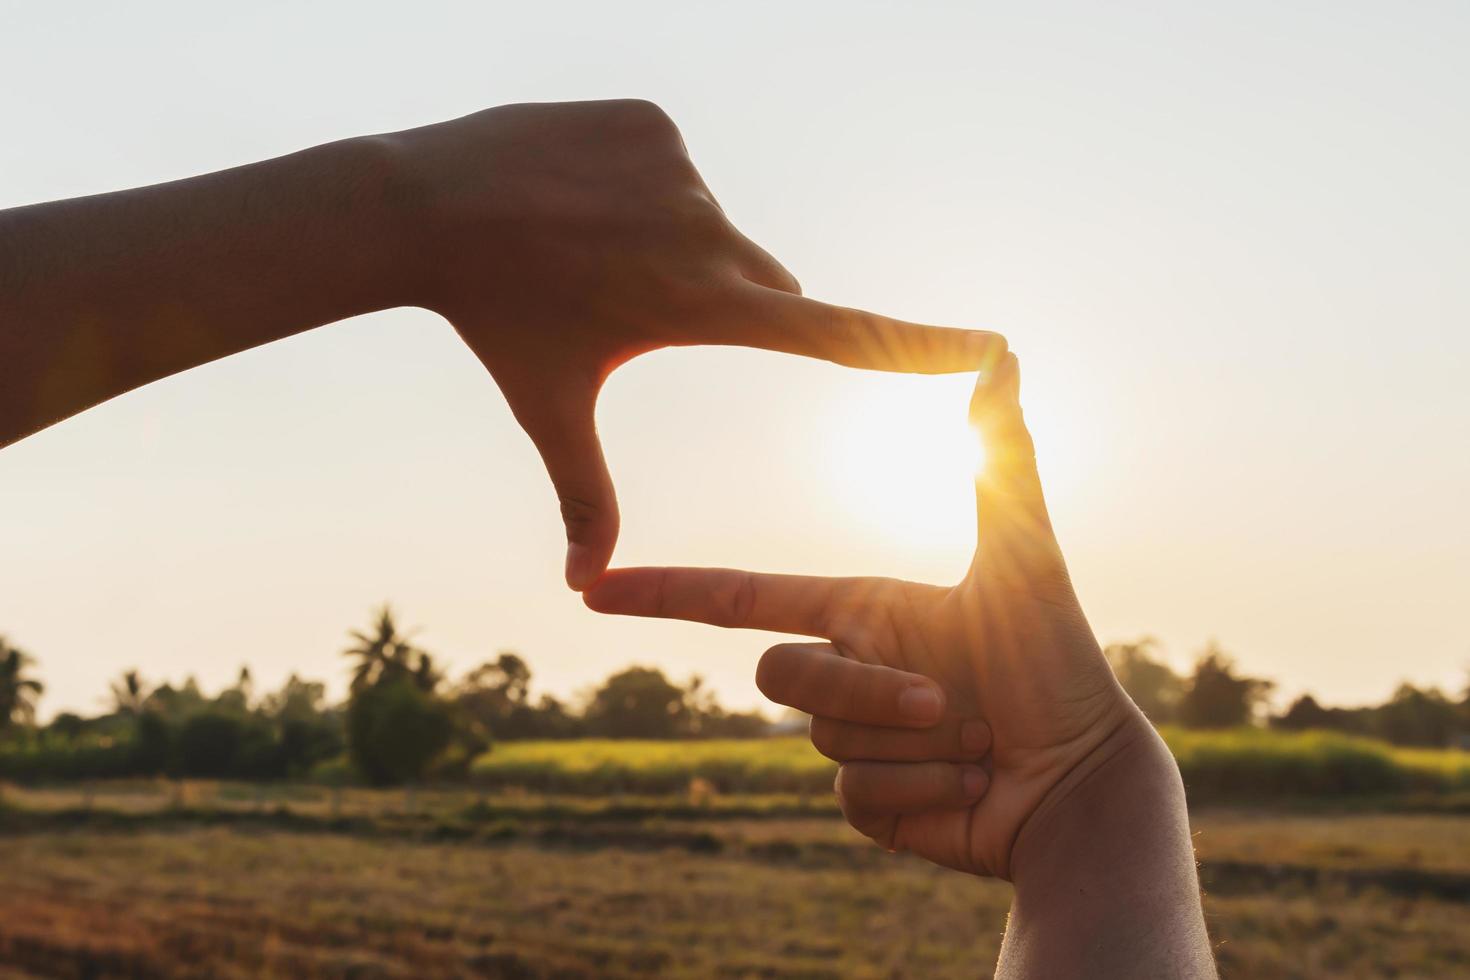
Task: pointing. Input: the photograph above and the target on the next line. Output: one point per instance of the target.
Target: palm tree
(129, 692)
(18, 693)
(384, 651)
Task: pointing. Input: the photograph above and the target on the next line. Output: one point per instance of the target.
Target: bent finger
(565, 434)
(815, 678)
(899, 788)
(951, 740)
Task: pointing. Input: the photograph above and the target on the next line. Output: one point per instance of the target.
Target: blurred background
(1228, 244)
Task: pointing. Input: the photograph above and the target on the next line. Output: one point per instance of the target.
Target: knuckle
(647, 120)
(579, 512)
(742, 600)
(643, 111)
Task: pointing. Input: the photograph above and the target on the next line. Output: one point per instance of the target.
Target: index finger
(794, 324)
(798, 604)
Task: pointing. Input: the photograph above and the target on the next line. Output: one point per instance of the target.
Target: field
(511, 877)
(1248, 765)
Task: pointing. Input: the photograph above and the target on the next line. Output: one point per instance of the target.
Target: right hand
(563, 239)
(1009, 645)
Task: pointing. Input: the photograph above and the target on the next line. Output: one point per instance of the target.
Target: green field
(1249, 765)
(1340, 859)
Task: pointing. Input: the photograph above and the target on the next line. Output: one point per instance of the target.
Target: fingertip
(975, 737)
(607, 593)
(1000, 378)
(584, 565)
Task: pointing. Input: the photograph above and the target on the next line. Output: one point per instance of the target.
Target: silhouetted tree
(491, 701)
(128, 693)
(67, 725)
(1305, 713)
(1418, 717)
(1155, 688)
(238, 697)
(396, 731)
(384, 652)
(639, 702)
(1217, 697)
(307, 731)
(153, 744)
(176, 702)
(18, 692)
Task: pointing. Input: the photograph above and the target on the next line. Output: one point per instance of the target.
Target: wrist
(1127, 788)
(383, 232)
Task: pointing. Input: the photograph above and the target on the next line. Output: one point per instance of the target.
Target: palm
(18, 693)
(1025, 664)
(386, 652)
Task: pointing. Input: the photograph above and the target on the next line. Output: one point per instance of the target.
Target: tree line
(405, 720)
(1215, 694)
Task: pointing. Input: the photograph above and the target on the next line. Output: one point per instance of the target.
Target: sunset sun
(906, 456)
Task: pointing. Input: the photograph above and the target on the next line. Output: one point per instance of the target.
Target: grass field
(667, 862)
(588, 895)
(1249, 765)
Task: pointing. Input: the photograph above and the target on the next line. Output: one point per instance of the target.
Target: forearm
(1105, 879)
(100, 295)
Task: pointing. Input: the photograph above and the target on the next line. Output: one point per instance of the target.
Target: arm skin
(100, 295)
(979, 726)
(1105, 876)
(560, 239)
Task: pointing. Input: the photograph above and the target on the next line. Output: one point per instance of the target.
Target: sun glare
(907, 457)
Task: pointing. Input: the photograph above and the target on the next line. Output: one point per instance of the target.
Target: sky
(1227, 241)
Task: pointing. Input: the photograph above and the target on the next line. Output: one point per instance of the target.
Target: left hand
(564, 239)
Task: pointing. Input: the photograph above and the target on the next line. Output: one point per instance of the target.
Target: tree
(18, 692)
(238, 698)
(639, 702)
(128, 693)
(491, 699)
(1418, 717)
(209, 744)
(1217, 697)
(307, 731)
(1155, 688)
(395, 731)
(384, 652)
(176, 702)
(1304, 714)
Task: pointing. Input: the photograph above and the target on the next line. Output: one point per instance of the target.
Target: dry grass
(579, 896)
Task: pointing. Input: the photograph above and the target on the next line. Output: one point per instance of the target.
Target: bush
(395, 731)
(599, 767)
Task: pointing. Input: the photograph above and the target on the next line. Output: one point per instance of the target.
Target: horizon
(577, 698)
(1244, 370)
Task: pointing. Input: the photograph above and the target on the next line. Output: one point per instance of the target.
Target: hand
(1008, 645)
(561, 240)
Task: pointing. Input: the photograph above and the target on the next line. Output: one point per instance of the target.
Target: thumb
(565, 433)
(1016, 538)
